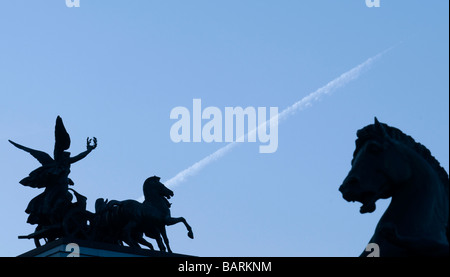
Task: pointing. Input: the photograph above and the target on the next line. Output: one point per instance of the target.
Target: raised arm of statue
(85, 153)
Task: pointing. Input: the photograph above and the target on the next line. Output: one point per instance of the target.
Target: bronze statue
(49, 209)
(127, 221)
(388, 163)
(115, 222)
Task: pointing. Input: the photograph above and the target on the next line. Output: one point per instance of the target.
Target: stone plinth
(81, 248)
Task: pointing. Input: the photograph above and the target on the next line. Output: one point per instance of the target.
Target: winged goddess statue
(49, 207)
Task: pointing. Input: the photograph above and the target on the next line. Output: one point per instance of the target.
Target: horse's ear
(380, 128)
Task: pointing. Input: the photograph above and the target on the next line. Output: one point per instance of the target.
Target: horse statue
(388, 163)
(127, 221)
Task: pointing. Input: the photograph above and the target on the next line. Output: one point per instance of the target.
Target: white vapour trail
(305, 102)
(340, 81)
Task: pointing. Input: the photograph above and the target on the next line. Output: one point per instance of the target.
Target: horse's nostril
(348, 183)
(351, 181)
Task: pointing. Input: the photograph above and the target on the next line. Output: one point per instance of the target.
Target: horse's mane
(370, 132)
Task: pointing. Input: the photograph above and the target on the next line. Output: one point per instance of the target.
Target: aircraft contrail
(305, 102)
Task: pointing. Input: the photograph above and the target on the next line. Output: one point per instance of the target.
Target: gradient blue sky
(115, 69)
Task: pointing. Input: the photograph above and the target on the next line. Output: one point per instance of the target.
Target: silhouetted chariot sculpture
(116, 222)
(387, 163)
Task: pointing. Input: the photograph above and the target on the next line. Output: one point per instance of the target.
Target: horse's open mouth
(367, 199)
(167, 194)
(368, 202)
(367, 207)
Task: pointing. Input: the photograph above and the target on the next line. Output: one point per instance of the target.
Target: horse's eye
(374, 148)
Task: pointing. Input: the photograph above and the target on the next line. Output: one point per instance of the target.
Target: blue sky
(115, 69)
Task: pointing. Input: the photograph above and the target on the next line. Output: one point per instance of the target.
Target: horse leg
(175, 220)
(160, 243)
(127, 235)
(166, 239)
(142, 241)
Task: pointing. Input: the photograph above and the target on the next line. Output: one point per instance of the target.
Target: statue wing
(41, 156)
(62, 138)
